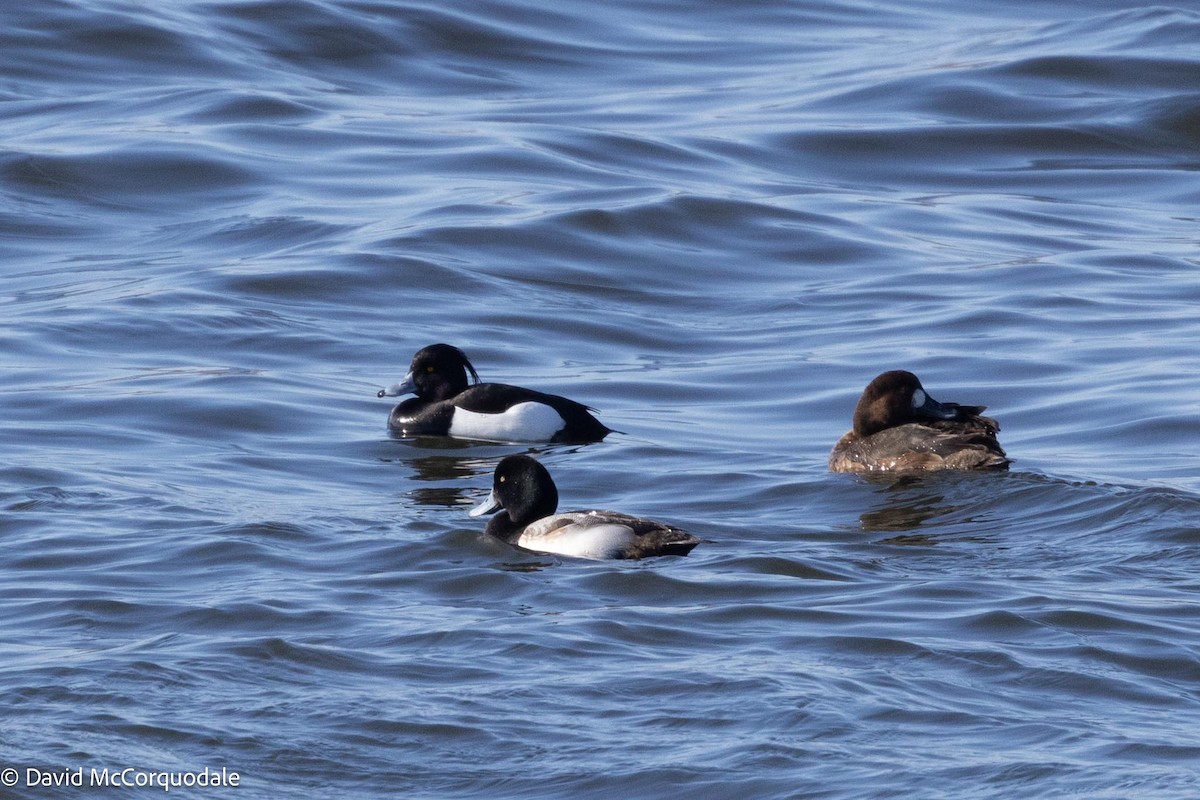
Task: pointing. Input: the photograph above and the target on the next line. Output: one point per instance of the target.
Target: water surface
(225, 225)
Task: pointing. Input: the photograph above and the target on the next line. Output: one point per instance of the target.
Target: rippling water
(225, 224)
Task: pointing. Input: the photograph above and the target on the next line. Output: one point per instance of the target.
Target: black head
(523, 488)
(439, 372)
(897, 398)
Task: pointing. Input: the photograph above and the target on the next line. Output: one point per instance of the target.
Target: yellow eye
(503, 479)
(429, 369)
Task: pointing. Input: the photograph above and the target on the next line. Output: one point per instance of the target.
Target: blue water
(225, 225)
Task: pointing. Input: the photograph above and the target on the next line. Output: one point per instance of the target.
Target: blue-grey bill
(488, 506)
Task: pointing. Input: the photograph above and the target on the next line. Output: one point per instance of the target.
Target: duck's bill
(489, 506)
(406, 386)
(932, 408)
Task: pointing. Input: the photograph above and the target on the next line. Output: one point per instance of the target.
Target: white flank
(593, 541)
(524, 422)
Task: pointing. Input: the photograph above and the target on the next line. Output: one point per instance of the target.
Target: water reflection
(457, 460)
(909, 502)
(445, 497)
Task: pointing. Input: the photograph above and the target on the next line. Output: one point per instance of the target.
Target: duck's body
(446, 404)
(898, 427)
(525, 491)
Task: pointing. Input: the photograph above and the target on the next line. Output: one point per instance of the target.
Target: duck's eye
(503, 479)
(429, 369)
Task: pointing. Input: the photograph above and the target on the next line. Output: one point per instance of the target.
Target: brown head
(897, 398)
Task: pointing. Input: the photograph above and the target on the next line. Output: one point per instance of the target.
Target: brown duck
(898, 427)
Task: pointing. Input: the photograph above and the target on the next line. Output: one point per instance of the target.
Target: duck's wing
(970, 418)
(576, 424)
(921, 447)
(605, 535)
(495, 398)
(970, 442)
(575, 534)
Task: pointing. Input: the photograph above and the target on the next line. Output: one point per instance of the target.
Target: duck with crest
(448, 404)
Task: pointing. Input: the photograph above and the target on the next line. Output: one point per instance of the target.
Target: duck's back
(574, 422)
(968, 443)
(604, 535)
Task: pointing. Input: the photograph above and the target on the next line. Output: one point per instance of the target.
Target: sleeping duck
(525, 492)
(898, 427)
(447, 405)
